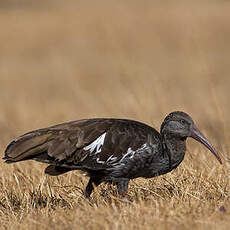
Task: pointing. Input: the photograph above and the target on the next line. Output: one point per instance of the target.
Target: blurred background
(67, 60)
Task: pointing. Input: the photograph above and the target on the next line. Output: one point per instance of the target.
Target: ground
(68, 60)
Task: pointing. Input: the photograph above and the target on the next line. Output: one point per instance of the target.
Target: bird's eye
(182, 121)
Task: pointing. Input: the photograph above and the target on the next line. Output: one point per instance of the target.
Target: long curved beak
(197, 135)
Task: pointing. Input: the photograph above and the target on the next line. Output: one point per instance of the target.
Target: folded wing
(85, 144)
(56, 143)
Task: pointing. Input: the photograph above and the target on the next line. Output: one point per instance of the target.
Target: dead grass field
(67, 60)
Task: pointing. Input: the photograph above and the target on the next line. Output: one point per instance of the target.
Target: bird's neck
(174, 150)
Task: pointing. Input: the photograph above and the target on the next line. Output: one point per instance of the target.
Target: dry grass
(66, 60)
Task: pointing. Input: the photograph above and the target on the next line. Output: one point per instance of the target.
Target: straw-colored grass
(67, 60)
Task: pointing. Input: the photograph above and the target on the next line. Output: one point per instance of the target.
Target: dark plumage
(109, 150)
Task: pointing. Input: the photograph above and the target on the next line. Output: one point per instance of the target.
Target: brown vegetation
(67, 60)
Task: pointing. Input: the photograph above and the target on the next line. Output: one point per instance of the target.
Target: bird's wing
(59, 142)
(92, 143)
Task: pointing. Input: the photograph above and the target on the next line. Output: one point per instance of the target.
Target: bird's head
(180, 125)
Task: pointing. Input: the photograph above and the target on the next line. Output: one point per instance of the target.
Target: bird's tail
(28, 146)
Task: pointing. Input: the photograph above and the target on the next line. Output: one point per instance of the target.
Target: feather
(53, 170)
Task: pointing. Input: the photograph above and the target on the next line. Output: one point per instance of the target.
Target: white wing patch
(99, 161)
(111, 159)
(130, 153)
(96, 145)
(95, 148)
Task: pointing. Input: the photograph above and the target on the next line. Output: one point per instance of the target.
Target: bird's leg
(122, 187)
(93, 181)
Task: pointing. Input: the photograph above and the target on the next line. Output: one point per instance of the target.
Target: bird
(109, 150)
